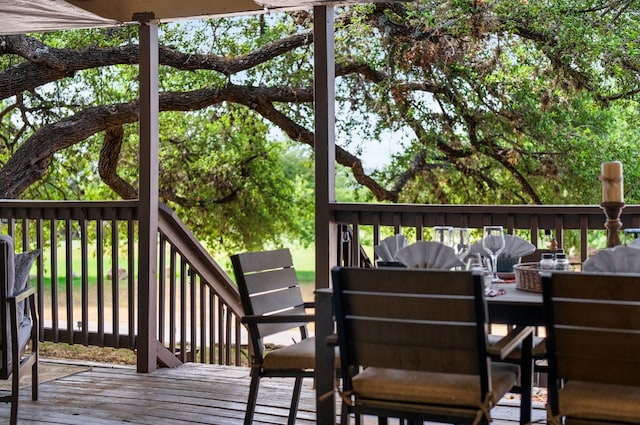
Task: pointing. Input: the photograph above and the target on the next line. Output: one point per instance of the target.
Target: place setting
(495, 254)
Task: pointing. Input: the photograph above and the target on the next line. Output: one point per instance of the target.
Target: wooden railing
(87, 279)
(207, 323)
(85, 244)
(573, 226)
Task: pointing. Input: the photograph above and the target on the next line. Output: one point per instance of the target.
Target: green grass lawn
(304, 261)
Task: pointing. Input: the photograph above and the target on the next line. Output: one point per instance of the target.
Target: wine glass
(443, 234)
(493, 243)
(461, 242)
(630, 235)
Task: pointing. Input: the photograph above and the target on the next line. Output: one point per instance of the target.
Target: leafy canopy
(508, 101)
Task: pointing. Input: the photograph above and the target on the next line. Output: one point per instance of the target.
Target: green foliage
(237, 191)
(514, 110)
(509, 102)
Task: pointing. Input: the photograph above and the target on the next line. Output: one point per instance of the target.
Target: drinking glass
(493, 243)
(630, 235)
(443, 234)
(461, 242)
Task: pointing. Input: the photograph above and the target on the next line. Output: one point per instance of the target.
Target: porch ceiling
(27, 16)
(164, 10)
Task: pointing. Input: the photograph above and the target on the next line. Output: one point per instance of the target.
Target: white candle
(612, 183)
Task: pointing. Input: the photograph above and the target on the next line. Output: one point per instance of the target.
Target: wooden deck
(189, 394)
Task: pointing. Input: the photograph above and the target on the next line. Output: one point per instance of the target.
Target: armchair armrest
(278, 318)
(332, 340)
(511, 341)
(15, 317)
(23, 295)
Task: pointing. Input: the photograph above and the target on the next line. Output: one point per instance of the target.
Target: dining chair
(18, 323)
(413, 345)
(538, 353)
(527, 355)
(593, 346)
(273, 303)
(536, 255)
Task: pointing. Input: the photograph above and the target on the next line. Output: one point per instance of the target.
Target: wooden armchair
(413, 345)
(18, 323)
(593, 347)
(272, 303)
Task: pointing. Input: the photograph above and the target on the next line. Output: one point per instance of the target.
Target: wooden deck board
(189, 394)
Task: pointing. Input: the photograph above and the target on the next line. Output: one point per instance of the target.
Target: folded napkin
(389, 247)
(514, 247)
(635, 243)
(428, 255)
(619, 259)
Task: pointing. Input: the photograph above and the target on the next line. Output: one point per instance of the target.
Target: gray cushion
(10, 272)
(10, 263)
(13, 269)
(23, 263)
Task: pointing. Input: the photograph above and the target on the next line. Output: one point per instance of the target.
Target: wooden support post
(324, 144)
(148, 195)
(326, 232)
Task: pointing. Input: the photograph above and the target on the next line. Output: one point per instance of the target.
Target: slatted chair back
(536, 255)
(268, 285)
(272, 302)
(421, 320)
(413, 345)
(594, 320)
(593, 341)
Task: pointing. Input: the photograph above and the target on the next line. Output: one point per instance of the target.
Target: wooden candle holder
(613, 224)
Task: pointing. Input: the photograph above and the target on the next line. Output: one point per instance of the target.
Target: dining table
(515, 306)
(510, 306)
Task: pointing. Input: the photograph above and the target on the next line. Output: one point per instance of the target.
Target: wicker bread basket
(527, 277)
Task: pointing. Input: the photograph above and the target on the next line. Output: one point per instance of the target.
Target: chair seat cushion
(24, 332)
(293, 357)
(433, 388)
(607, 402)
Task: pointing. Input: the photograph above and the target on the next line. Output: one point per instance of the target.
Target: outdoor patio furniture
(272, 302)
(413, 345)
(18, 323)
(593, 346)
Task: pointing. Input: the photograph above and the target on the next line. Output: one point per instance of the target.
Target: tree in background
(505, 101)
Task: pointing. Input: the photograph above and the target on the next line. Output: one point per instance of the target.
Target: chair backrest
(593, 327)
(268, 285)
(536, 255)
(422, 320)
(7, 283)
